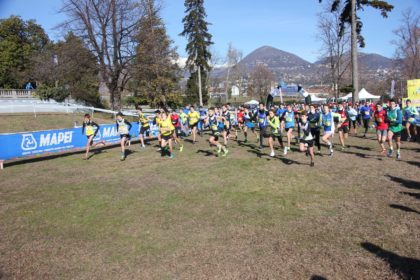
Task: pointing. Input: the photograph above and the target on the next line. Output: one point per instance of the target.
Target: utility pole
(354, 62)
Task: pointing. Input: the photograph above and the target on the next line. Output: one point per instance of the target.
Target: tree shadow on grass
(405, 182)
(415, 195)
(403, 208)
(415, 163)
(207, 153)
(408, 268)
(361, 155)
(361, 148)
(317, 277)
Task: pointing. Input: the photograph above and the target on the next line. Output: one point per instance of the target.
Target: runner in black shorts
(213, 122)
(307, 140)
(123, 128)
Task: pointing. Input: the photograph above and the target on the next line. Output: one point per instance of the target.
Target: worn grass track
(248, 216)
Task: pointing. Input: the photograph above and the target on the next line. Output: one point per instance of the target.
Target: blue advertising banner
(36, 143)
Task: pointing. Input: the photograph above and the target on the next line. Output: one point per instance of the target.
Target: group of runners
(308, 125)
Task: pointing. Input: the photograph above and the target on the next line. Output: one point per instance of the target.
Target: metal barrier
(17, 93)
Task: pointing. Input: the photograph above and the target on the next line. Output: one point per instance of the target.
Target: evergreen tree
(155, 72)
(19, 40)
(199, 41)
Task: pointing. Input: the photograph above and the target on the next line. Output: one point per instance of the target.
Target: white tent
(364, 94)
(252, 102)
(314, 98)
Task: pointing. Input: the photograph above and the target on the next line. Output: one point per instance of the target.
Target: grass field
(248, 216)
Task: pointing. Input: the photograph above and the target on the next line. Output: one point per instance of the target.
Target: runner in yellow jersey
(166, 130)
(193, 118)
(144, 127)
(91, 132)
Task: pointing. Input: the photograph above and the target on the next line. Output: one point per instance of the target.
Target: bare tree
(108, 28)
(261, 79)
(233, 57)
(335, 45)
(408, 44)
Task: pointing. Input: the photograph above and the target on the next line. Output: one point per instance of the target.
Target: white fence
(17, 93)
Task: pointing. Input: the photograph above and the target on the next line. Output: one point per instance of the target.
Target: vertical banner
(413, 92)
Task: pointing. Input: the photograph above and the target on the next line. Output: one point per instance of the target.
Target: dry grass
(247, 216)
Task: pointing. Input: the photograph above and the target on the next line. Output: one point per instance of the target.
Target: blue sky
(248, 24)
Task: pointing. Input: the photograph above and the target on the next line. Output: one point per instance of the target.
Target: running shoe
(408, 138)
(219, 150)
(285, 151)
(312, 164)
(389, 153)
(225, 152)
(181, 148)
(272, 154)
(171, 156)
(122, 158)
(398, 156)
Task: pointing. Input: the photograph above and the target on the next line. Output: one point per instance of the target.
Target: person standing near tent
(123, 128)
(91, 132)
(288, 119)
(410, 114)
(381, 126)
(366, 114)
(394, 119)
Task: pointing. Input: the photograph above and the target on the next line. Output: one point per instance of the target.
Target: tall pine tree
(156, 74)
(199, 40)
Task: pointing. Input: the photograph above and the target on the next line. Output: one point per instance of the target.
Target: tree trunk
(355, 73)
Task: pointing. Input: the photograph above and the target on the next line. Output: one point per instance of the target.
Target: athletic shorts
(397, 134)
(344, 129)
(366, 123)
(382, 132)
(127, 136)
(193, 125)
(250, 125)
(215, 135)
(326, 132)
(288, 128)
(309, 142)
(178, 131)
(166, 137)
(352, 123)
(145, 130)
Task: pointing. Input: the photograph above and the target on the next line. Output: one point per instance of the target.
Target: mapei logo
(28, 142)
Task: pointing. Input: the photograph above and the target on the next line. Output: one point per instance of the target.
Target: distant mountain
(273, 58)
(371, 61)
(294, 69)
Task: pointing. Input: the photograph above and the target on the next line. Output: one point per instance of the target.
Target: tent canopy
(363, 95)
(314, 98)
(252, 102)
